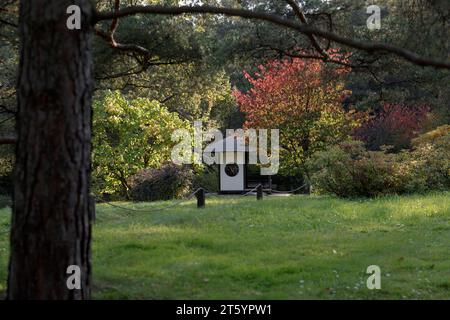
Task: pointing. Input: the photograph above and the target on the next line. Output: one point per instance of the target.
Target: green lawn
(295, 247)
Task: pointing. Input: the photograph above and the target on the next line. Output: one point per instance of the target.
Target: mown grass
(295, 247)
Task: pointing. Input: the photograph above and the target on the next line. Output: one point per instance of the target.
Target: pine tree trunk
(51, 223)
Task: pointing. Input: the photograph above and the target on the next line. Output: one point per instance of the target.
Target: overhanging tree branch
(299, 13)
(109, 37)
(120, 46)
(145, 53)
(277, 20)
(294, 54)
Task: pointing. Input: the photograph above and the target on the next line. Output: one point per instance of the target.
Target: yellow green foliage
(129, 135)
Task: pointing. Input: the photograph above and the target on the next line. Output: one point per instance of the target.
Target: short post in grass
(259, 192)
(200, 194)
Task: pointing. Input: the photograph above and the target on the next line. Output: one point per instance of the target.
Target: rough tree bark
(51, 223)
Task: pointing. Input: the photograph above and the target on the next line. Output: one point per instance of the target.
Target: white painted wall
(235, 183)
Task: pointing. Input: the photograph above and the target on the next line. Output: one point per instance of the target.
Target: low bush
(5, 201)
(394, 125)
(430, 158)
(349, 170)
(208, 178)
(6, 171)
(168, 182)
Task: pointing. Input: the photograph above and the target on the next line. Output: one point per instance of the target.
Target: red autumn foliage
(395, 125)
(304, 100)
(289, 88)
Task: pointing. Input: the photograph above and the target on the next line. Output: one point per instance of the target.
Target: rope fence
(291, 191)
(199, 193)
(152, 210)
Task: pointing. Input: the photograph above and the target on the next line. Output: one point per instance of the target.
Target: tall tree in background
(52, 210)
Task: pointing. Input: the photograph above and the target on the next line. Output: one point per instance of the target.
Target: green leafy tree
(129, 135)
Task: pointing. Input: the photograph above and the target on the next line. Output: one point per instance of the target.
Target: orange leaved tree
(304, 100)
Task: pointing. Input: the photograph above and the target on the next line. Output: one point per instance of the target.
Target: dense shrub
(5, 201)
(208, 178)
(169, 181)
(431, 158)
(129, 135)
(349, 170)
(6, 184)
(433, 136)
(395, 125)
(6, 169)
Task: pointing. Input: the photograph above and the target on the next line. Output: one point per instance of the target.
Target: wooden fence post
(259, 192)
(200, 194)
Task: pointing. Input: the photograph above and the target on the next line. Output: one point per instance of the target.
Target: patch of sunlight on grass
(140, 229)
(297, 247)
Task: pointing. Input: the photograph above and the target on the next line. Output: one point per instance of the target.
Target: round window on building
(231, 169)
